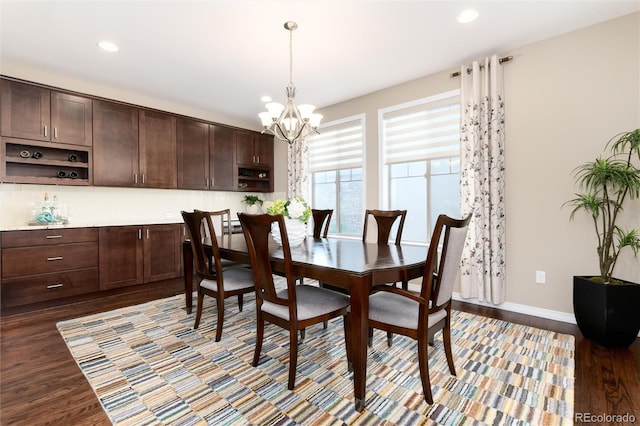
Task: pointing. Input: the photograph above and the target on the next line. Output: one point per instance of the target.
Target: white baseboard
(522, 309)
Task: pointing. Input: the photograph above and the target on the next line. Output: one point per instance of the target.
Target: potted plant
(252, 204)
(606, 307)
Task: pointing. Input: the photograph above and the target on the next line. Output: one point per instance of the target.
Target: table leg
(359, 333)
(187, 264)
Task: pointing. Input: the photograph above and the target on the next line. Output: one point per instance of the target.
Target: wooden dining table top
(351, 264)
(335, 256)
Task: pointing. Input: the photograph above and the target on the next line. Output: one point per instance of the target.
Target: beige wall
(565, 97)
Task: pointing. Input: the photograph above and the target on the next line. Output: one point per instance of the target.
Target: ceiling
(223, 56)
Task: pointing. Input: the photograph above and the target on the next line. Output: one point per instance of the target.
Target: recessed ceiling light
(467, 16)
(266, 99)
(108, 46)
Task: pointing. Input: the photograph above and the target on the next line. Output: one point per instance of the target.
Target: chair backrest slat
(320, 218)
(385, 220)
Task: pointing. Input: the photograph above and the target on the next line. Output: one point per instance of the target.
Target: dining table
(350, 264)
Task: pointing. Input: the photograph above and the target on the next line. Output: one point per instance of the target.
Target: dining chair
(294, 307)
(420, 315)
(321, 222)
(221, 221)
(385, 220)
(213, 280)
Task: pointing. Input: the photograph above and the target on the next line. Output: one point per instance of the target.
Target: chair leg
(220, 307)
(325, 324)
(446, 338)
(370, 339)
(199, 309)
(389, 339)
(259, 336)
(405, 285)
(293, 357)
(423, 362)
(346, 321)
(240, 299)
(302, 334)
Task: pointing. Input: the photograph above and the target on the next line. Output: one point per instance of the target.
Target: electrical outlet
(541, 277)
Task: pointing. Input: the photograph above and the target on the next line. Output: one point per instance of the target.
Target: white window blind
(425, 129)
(338, 146)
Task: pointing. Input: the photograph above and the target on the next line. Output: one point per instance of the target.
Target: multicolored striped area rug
(147, 365)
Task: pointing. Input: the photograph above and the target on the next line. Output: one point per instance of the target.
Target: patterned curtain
(482, 173)
(298, 164)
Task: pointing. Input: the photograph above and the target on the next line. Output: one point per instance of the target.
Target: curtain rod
(501, 60)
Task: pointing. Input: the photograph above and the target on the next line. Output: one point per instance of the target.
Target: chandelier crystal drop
(290, 122)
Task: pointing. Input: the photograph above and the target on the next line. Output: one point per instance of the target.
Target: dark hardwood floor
(40, 382)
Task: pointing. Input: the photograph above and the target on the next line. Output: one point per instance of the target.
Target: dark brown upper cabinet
(36, 113)
(115, 144)
(157, 145)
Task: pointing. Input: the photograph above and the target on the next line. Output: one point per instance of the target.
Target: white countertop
(27, 227)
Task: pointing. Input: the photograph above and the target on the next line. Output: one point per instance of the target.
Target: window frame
(356, 119)
(384, 177)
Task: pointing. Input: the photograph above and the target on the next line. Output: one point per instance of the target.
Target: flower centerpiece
(296, 214)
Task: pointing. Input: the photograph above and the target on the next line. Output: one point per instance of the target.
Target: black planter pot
(607, 314)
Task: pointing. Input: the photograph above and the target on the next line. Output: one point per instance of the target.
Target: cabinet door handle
(50, 259)
(212, 180)
(139, 234)
(58, 285)
(147, 233)
(135, 178)
(258, 158)
(55, 133)
(143, 178)
(53, 236)
(45, 131)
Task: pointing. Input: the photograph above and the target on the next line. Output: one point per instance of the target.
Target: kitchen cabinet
(131, 255)
(28, 161)
(193, 154)
(157, 149)
(254, 162)
(221, 160)
(42, 265)
(162, 252)
(36, 113)
(46, 135)
(51, 136)
(115, 144)
(205, 155)
(254, 149)
(133, 147)
(121, 256)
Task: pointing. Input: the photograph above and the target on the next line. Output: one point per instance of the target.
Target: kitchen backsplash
(108, 206)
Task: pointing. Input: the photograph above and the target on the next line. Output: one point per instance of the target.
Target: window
(421, 161)
(335, 165)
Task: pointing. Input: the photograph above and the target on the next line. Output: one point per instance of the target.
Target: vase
(296, 231)
(252, 209)
(607, 314)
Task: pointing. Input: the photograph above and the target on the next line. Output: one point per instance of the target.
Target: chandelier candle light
(290, 122)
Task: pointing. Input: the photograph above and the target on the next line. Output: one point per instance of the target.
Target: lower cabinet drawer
(21, 261)
(39, 288)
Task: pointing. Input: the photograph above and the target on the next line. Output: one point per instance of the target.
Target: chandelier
(290, 122)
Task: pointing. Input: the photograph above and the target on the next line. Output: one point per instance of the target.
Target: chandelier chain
(291, 57)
